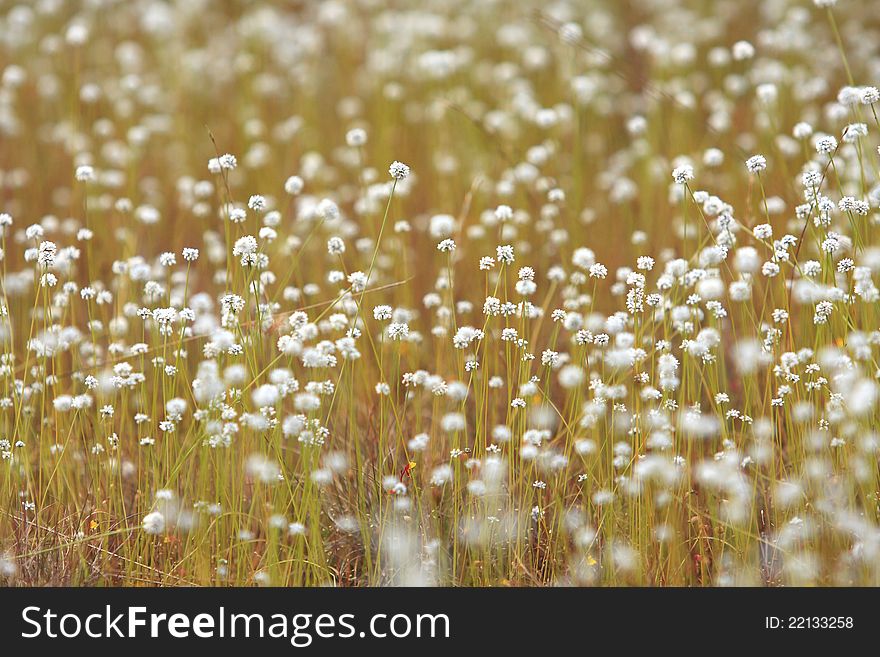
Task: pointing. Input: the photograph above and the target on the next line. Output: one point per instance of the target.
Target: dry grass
(576, 339)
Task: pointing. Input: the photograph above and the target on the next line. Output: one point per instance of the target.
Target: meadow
(486, 293)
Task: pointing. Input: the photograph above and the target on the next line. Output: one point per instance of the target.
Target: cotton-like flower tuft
(756, 164)
(154, 523)
(398, 170)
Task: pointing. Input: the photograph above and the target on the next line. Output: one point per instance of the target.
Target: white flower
(756, 163)
(227, 161)
(293, 185)
(398, 170)
(681, 175)
(246, 245)
(47, 253)
(743, 50)
(870, 95)
(504, 254)
(504, 213)
(825, 144)
(598, 270)
(327, 210)
(85, 173)
(335, 246)
(583, 258)
(356, 137)
(763, 231)
(382, 313)
(154, 523)
(398, 330)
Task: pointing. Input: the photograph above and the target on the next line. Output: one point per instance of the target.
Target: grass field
(483, 293)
